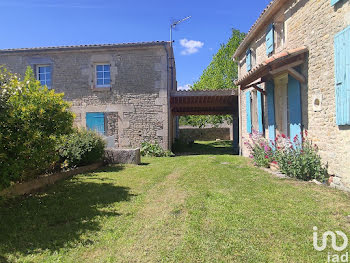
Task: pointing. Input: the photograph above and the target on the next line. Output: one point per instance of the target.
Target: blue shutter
(333, 2)
(270, 39)
(342, 82)
(259, 107)
(294, 107)
(270, 90)
(95, 121)
(249, 112)
(248, 59)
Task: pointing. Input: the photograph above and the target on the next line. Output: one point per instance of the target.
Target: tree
(32, 118)
(220, 74)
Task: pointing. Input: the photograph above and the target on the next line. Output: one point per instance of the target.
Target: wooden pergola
(208, 102)
(218, 102)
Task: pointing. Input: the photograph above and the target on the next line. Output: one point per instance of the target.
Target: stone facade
(135, 106)
(310, 23)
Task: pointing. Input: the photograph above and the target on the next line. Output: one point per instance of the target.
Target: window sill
(101, 88)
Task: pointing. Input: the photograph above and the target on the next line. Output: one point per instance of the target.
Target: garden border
(45, 180)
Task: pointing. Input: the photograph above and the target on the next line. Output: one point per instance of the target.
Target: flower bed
(297, 157)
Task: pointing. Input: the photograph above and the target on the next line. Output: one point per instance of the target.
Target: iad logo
(332, 257)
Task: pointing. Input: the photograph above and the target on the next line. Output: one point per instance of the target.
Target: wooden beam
(204, 113)
(252, 85)
(286, 67)
(298, 76)
(260, 89)
(201, 105)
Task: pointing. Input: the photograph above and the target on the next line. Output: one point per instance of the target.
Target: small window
(103, 75)
(43, 74)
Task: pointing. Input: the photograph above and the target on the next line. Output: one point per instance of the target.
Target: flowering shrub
(299, 158)
(31, 119)
(296, 158)
(260, 150)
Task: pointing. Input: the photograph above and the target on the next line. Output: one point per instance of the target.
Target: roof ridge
(145, 43)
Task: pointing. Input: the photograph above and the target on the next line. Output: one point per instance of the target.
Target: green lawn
(196, 208)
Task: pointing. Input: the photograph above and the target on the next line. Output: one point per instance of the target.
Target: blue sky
(34, 23)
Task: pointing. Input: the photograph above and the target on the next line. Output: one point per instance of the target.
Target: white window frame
(37, 73)
(103, 85)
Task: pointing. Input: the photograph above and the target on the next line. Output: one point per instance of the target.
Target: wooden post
(235, 124)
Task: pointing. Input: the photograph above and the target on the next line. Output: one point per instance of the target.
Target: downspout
(167, 90)
(239, 121)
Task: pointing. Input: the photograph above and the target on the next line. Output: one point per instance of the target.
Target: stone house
(294, 75)
(120, 90)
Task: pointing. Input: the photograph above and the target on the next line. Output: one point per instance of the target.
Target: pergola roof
(218, 102)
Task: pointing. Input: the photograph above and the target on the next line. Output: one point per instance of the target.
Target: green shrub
(32, 118)
(153, 149)
(82, 147)
(300, 158)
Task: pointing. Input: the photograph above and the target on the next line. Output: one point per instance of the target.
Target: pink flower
(295, 138)
(274, 162)
(305, 132)
(284, 136)
(266, 157)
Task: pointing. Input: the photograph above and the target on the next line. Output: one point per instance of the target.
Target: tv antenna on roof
(173, 25)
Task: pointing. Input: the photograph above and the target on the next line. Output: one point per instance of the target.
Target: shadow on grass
(57, 218)
(204, 147)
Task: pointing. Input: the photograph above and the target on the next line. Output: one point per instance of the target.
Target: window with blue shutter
(259, 109)
(270, 39)
(333, 2)
(95, 121)
(248, 59)
(342, 81)
(270, 91)
(248, 112)
(294, 107)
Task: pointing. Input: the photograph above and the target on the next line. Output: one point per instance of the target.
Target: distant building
(294, 75)
(120, 90)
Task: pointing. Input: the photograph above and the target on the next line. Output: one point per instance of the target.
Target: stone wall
(204, 134)
(136, 105)
(312, 24)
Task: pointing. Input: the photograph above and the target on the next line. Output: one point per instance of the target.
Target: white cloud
(184, 87)
(191, 46)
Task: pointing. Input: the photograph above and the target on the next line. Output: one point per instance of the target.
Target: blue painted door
(95, 121)
(333, 2)
(260, 112)
(270, 91)
(248, 112)
(294, 107)
(342, 81)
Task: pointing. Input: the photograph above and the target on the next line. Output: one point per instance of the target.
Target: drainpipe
(168, 94)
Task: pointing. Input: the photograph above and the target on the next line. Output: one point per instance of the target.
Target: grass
(197, 208)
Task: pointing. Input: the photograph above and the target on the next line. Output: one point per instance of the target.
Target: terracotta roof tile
(279, 56)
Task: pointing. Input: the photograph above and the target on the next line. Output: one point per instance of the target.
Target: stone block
(122, 156)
